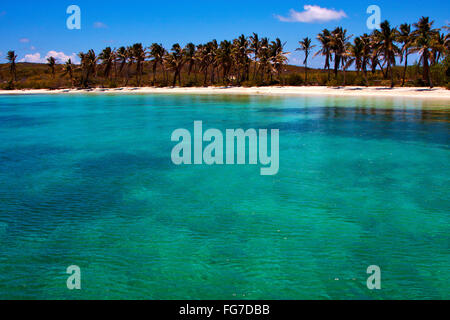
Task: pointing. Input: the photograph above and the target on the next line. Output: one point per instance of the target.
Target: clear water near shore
(87, 180)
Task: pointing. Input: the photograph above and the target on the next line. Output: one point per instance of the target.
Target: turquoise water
(88, 180)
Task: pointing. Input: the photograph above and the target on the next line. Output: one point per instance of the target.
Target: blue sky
(35, 28)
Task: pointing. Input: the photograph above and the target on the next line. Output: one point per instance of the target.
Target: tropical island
(376, 59)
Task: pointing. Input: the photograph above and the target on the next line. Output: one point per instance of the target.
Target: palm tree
(406, 40)
(203, 56)
(375, 53)
(305, 46)
(157, 53)
(338, 43)
(122, 57)
(386, 39)
(278, 57)
(255, 46)
(366, 55)
(242, 60)
(88, 66)
(447, 38)
(348, 56)
(130, 60)
(12, 65)
(189, 56)
(139, 55)
(438, 48)
(68, 69)
(224, 58)
(264, 57)
(175, 60)
(325, 42)
(213, 47)
(423, 43)
(51, 62)
(357, 51)
(107, 56)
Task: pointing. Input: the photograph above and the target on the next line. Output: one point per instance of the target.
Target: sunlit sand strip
(435, 93)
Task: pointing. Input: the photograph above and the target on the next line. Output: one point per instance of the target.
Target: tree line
(258, 60)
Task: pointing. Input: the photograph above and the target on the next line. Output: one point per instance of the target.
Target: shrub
(112, 83)
(322, 79)
(419, 83)
(294, 79)
(190, 83)
(248, 84)
(359, 80)
(332, 83)
(9, 85)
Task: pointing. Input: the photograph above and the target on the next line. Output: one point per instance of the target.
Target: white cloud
(60, 57)
(313, 13)
(32, 58)
(100, 25)
(24, 40)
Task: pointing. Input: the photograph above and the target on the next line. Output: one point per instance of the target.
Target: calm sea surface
(88, 180)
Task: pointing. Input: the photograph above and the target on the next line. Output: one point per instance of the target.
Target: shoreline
(350, 91)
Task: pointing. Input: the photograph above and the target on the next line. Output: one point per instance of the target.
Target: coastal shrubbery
(294, 79)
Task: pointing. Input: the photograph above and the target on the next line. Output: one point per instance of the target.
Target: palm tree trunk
(174, 82)
(127, 75)
(255, 70)
(404, 70)
(385, 74)
(327, 66)
(336, 64)
(213, 72)
(345, 74)
(137, 75)
(190, 69)
(426, 69)
(71, 79)
(154, 73)
(263, 72)
(392, 76)
(206, 77)
(365, 76)
(86, 79)
(306, 73)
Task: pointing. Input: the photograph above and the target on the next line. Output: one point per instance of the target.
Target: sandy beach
(435, 93)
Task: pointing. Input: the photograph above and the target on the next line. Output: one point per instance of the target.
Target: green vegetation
(252, 61)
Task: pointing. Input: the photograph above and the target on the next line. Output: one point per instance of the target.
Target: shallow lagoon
(88, 180)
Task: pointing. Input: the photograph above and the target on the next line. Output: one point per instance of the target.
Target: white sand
(435, 93)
